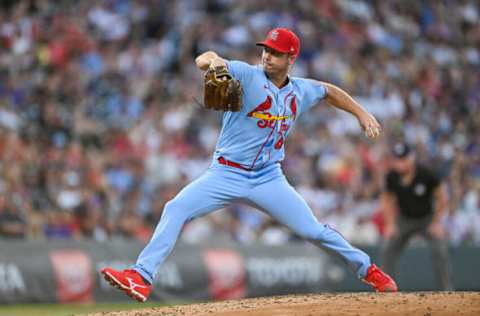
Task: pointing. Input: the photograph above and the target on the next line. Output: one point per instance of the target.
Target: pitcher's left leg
(279, 199)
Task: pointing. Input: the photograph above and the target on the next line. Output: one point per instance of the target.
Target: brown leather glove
(222, 92)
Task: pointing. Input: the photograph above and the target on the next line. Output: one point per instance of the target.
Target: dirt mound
(345, 304)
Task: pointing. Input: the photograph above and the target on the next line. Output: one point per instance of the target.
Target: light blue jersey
(255, 136)
(253, 140)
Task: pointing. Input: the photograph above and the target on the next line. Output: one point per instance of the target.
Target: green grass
(69, 309)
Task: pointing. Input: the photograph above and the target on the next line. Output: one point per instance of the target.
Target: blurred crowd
(100, 124)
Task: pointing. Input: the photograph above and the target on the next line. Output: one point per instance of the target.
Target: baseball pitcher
(261, 104)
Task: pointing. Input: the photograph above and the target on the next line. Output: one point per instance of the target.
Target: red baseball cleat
(381, 281)
(129, 281)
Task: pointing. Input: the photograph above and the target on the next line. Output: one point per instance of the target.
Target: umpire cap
(401, 150)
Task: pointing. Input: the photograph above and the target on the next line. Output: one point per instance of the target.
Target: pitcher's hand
(369, 124)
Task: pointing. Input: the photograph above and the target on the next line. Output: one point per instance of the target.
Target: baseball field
(345, 304)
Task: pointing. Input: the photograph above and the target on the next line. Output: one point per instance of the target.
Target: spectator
(13, 224)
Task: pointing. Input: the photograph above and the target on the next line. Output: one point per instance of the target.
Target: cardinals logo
(274, 35)
(267, 120)
(261, 112)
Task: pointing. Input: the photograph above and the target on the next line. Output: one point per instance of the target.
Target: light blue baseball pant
(268, 190)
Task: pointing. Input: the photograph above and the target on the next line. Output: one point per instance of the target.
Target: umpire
(414, 202)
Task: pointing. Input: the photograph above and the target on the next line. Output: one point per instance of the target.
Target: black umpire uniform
(412, 188)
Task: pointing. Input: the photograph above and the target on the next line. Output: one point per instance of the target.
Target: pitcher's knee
(313, 232)
(173, 208)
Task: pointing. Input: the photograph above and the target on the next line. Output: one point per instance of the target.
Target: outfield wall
(67, 271)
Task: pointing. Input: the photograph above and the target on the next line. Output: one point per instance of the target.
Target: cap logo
(274, 35)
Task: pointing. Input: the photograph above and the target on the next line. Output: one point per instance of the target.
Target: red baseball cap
(282, 40)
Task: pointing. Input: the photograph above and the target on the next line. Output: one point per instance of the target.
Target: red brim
(270, 45)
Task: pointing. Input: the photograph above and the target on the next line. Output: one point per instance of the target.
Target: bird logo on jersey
(268, 120)
(261, 112)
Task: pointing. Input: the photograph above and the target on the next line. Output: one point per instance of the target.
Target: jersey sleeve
(313, 92)
(240, 70)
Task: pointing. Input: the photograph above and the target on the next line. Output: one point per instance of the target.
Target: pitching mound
(345, 304)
